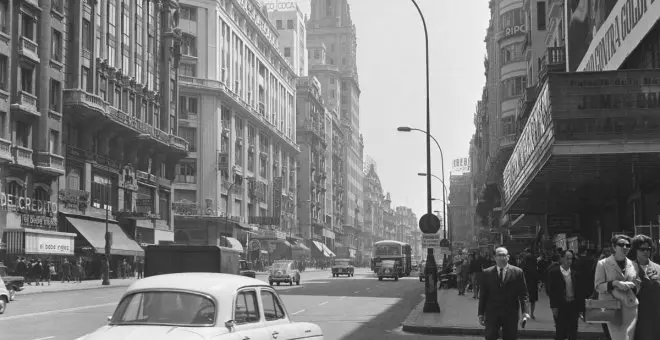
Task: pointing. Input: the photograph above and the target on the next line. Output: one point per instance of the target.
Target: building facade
(330, 31)
(96, 111)
(290, 23)
(460, 210)
(374, 223)
(237, 95)
(408, 230)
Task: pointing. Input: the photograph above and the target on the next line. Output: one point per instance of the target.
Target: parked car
(200, 306)
(13, 283)
(4, 297)
(389, 269)
(284, 271)
(246, 269)
(342, 267)
(422, 266)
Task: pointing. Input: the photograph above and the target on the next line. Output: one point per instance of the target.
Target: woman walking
(648, 321)
(616, 280)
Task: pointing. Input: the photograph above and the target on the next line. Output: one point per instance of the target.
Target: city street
(360, 307)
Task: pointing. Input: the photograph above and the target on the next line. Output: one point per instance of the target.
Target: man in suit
(566, 292)
(503, 295)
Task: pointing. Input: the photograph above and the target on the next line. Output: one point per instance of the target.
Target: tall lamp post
(108, 244)
(431, 271)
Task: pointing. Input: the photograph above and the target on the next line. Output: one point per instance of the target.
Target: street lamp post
(444, 196)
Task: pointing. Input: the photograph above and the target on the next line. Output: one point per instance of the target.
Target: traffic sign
(254, 245)
(444, 243)
(430, 241)
(429, 224)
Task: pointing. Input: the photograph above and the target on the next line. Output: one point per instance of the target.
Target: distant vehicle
(284, 271)
(202, 306)
(342, 267)
(392, 250)
(12, 283)
(4, 297)
(179, 258)
(246, 269)
(389, 269)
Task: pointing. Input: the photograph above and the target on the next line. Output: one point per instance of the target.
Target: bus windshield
(388, 250)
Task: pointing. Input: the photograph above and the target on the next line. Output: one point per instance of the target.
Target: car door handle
(275, 334)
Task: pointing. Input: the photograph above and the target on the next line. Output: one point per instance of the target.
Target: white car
(4, 296)
(197, 306)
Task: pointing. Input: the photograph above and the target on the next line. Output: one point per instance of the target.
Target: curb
(463, 331)
(24, 292)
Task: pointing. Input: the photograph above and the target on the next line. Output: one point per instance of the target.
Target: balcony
(5, 151)
(27, 103)
(50, 163)
(553, 61)
(179, 143)
(508, 141)
(29, 49)
(23, 157)
(80, 98)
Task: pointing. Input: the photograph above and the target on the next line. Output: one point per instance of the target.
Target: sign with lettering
(10, 202)
(460, 165)
(262, 23)
(281, 6)
(39, 221)
(535, 129)
(49, 245)
(627, 23)
(514, 30)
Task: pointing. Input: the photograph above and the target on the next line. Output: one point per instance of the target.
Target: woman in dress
(648, 320)
(616, 279)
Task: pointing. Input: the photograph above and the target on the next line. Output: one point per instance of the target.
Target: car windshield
(388, 264)
(165, 308)
(342, 262)
(280, 265)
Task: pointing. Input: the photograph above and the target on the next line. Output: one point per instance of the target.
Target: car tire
(3, 305)
(396, 278)
(380, 278)
(270, 282)
(279, 283)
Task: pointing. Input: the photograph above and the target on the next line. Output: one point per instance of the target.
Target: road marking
(323, 303)
(28, 315)
(298, 312)
(46, 338)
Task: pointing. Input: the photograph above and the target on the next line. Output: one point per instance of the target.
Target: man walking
(565, 289)
(503, 295)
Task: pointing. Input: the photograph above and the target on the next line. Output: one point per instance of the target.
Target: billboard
(460, 165)
(601, 34)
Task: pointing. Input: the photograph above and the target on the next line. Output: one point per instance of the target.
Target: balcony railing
(179, 143)
(29, 48)
(186, 179)
(23, 156)
(26, 102)
(74, 97)
(554, 60)
(508, 140)
(50, 163)
(5, 150)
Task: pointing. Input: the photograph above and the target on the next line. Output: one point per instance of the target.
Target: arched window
(16, 189)
(41, 194)
(74, 178)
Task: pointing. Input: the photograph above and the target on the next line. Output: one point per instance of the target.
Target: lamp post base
(430, 284)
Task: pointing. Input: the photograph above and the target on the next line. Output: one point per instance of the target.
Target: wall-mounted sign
(259, 20)
(281, 6)
(39, 221)
(460, 165)
(514, 30)
(535, 129)
(12, 202)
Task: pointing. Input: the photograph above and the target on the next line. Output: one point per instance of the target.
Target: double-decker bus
(400, 252)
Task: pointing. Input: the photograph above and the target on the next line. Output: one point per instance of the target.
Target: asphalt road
(360, 307)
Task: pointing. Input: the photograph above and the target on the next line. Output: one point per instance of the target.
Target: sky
(391, 55)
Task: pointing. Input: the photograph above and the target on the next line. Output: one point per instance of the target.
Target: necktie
(501, 275)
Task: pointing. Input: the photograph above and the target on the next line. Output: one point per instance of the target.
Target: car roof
(214, 284)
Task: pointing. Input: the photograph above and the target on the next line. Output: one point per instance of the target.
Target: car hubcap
(3, 305)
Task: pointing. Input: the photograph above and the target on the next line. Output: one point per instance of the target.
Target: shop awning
(327, 252)
(94, 231)
(301, 246)
(233, 243)
(319, 246)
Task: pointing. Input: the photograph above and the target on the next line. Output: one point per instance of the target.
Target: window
(512, 53)
(85, 84)
(186, 173)
(246, 309)
(54, 142)
(87, 35)
(278, 23)
(164, 205)
(165, 307)
(101, 191)
(3, 124)
(74, 177)
(289, 24)
(540, 15)
(189, 45)
(4, 16)
(189, 134)
(188, 70)
(55, 95)
(26, 79)
(513, 87)
(508, 126)
(272, 306)
(4, 71)
(27, 26)
(287, 51)
(102, 88)
(58, 5)
(189, 13)
(56, 46)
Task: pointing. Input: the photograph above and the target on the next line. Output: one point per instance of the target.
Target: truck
(178, 258)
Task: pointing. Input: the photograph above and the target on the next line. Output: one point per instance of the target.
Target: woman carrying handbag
(648, 322)
(616, 279)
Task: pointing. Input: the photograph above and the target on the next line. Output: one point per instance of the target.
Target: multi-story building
(406, 221)
(460, 209)
(390, 225)
(331, 35)
(237, 92)
(99, 108)
(290, 23)
(373, 209)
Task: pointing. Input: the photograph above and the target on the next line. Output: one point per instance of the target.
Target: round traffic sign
(429, 224)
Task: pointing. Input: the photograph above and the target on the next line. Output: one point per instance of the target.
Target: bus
(392, 250)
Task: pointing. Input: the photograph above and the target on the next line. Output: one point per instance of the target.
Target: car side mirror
(109, 318)
(230, 324)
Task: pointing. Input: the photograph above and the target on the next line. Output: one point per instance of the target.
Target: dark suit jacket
(507, 298)
(557, 288)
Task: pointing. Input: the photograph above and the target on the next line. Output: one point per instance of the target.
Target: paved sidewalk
(458, 316)
(57, 286)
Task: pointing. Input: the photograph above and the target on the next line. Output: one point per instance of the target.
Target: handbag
(602, 311)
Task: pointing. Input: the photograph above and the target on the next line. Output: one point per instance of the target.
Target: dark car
(389, 269)
(342, 267)
(12, 283)
(246, 269)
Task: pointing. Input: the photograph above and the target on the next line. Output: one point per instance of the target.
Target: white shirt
(503, 272)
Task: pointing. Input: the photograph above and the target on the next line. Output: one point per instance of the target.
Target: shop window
(102, 193)
(164, 205)
(145, 199)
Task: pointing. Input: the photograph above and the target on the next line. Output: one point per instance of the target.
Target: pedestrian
(648, 322)
(503, 296)
(530, 268)
(565, 287)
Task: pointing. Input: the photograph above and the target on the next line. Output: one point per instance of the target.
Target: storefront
(36, 243)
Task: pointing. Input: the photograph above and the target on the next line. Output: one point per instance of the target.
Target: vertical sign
(277, 199)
